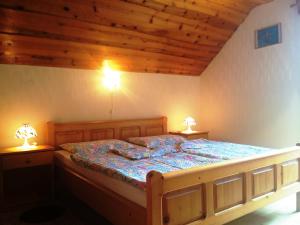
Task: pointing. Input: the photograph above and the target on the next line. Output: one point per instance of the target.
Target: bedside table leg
(52, 181)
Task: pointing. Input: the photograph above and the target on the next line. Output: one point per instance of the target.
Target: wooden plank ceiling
(160, 36)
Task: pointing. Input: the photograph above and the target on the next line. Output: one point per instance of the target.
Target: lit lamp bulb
(111, 77)
(189, 122)
(25, 132)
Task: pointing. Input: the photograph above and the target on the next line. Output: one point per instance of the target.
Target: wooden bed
(206, 195)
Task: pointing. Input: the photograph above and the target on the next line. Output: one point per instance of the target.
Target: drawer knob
(28, 161)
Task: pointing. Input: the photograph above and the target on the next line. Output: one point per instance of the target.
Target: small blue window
(268, 36)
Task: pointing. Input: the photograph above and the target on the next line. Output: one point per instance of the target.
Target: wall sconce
(189, 122)
(25, 132)
(111, 80)
(111, 76)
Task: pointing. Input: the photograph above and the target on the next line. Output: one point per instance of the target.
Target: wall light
(25, 132)
(111, 76)
(111, 80)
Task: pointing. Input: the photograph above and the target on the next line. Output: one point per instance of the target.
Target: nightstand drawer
(27, 160)
(192, 135)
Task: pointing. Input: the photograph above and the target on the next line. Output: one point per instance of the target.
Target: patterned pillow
(100, 146)
(155, 141)
(140, 152)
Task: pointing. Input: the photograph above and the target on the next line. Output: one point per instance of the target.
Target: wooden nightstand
(193, 135)
(26, 175)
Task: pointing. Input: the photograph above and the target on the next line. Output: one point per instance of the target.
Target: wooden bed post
(51, 133)
(209, 192)
(298, 193)
(165, 125)
(298, 202)
(154, 198)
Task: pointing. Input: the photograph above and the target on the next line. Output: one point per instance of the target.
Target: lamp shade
(189, 122)
(25, 132)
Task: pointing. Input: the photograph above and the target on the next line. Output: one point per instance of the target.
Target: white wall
(253, 96)
(245, 95)
(40, 94)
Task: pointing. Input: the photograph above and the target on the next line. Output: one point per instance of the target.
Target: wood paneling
(228, 196)
(183, 207)
(69, 136)
(127, 132)
(160, 36)
(60, 133)
(224, 196)
(290, 172)
(154, 130)
(100, 134)
(263, 181)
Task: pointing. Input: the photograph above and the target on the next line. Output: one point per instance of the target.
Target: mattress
(124, 189)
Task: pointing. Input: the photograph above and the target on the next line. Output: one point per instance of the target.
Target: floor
(75, 213)
(280, 213)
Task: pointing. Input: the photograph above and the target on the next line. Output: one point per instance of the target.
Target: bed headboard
(60, 133)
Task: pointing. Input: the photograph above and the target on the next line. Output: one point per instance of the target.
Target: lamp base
(26, 144)
(188, 130)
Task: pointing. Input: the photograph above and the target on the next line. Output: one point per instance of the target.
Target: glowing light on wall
(111, 76)
(111, 80)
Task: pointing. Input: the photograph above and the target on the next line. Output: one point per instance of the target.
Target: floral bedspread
(221, 150)
(182, 160)
(192, 153)
(131, 171)
(135, 171)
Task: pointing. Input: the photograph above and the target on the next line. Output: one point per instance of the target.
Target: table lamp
(189, 122)
(25, 132)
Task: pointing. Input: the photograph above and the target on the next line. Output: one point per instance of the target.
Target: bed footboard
(219, 193)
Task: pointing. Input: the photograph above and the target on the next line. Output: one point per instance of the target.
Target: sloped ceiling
(160, 36)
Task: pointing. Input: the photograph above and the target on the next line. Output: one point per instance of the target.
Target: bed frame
(205, 195)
